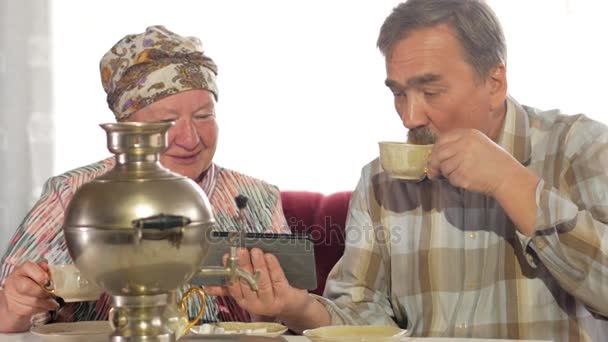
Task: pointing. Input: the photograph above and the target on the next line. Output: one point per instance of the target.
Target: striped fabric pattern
(441, 261)
(40, 235)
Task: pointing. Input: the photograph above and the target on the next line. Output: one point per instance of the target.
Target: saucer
(76, 331)
(239, 328)
(355, 333)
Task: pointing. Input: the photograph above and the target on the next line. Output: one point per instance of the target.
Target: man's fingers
(448, 166)
(441, 154)
(450, 137)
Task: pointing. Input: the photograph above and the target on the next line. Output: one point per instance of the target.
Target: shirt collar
(515, 134)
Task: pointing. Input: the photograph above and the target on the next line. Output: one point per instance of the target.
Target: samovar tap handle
(237, 239)
(237, 272)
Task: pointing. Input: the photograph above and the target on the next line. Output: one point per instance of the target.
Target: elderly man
(506, 238)
(153, 76)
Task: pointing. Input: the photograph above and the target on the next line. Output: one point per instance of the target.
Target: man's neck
(498, 121)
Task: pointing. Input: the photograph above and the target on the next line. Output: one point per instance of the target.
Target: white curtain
(26, 128)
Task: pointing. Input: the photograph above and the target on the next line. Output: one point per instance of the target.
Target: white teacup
(404, 160)
(68, 283)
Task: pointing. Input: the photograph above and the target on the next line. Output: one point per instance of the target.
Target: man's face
(436, 90)
(193, 138)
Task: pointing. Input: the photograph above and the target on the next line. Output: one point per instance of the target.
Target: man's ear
(498, 86)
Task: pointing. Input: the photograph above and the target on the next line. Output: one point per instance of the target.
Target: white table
(28, 337)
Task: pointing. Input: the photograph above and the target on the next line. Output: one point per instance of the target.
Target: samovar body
(139, 231)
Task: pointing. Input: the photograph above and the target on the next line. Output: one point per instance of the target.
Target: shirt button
(471, 285)
(530, 258)
(473, 235)
(540, 243)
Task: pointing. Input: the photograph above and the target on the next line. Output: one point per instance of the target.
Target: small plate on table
(355, 333)
(267, 329)
(90, 331)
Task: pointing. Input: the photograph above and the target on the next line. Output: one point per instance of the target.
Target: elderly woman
(154, 76)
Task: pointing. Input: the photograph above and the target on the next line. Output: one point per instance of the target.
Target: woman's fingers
(277, 276)
(245, 264)
(216, 291)
(265, 289)
(32, 305)
(24, 293)
(273, 287)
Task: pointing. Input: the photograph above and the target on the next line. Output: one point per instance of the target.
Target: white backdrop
(26, 125)
(302, 99)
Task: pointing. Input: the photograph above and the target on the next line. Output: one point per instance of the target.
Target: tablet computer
(295, 253)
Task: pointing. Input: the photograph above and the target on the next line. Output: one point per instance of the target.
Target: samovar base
(161, 338)
(140, 318)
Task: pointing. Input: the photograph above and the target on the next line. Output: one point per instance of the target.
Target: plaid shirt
(457, 266)
(40, 235)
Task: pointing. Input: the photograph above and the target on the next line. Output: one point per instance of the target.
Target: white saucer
(272, 329)
(352, 333)
(76, 331)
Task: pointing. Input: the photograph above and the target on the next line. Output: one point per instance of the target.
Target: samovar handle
(162, 223)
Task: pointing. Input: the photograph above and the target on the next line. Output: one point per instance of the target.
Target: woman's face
(193, 138)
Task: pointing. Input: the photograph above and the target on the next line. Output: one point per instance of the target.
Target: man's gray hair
(476, 26)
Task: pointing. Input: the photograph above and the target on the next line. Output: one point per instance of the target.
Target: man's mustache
(421, 136)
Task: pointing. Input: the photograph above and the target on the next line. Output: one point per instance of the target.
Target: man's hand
(23, 296)
(471, 161)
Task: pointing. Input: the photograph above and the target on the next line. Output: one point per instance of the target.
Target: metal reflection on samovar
(140, 232)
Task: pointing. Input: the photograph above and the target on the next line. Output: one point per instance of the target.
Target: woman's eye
(203, 117)
(167, 120)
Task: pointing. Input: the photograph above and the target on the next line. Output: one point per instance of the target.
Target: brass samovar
(140, 232)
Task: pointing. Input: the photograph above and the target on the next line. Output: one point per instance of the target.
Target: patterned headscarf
(144, 68)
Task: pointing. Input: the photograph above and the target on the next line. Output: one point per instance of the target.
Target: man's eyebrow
(423, 79)
(414, 81)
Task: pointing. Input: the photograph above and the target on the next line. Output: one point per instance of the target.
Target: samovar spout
(237, 239)
(232, 272)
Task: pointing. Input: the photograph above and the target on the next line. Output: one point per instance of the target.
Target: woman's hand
(275, 297)
(24, 297)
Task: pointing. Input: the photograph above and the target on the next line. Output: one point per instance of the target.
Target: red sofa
(323, 217)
